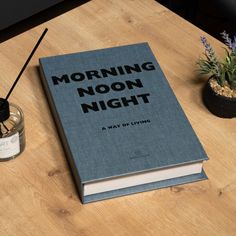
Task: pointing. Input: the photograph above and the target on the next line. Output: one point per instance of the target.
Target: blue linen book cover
(117, 116)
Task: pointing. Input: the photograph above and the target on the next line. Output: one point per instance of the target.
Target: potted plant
(219, 94)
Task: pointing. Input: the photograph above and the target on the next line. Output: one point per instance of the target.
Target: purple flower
(210, 53)
(205, 43)
(234, 44)
(228, 41)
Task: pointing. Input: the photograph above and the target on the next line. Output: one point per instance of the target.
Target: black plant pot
(221, 106)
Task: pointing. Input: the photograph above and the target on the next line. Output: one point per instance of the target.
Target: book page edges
(141, 178)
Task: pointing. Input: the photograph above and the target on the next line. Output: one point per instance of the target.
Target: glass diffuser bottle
(12, 133)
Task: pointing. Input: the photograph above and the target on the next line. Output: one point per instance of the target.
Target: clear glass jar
(12, 134)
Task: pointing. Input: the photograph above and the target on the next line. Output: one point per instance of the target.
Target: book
(120, 123)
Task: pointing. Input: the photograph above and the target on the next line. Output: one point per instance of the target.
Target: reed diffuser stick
(26, 63)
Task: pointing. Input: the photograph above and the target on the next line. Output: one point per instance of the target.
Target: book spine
(62, 135)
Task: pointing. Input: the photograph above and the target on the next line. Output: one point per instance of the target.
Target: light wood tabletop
(37, 193)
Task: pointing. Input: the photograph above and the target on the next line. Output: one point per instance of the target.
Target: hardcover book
(121, 125)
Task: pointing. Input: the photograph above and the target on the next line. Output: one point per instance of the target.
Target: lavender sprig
(211, 65)
(229, 42)
(234, 45)
(210, 53)
(224, 72)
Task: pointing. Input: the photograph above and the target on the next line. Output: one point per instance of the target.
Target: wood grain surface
(37, 193)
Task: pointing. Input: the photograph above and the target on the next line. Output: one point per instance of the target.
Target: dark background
(12, 11)
(17, 16)
(213, 16)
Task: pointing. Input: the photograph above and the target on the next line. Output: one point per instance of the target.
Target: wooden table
(38, 195)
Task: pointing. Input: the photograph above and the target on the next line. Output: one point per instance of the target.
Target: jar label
(9, 146)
